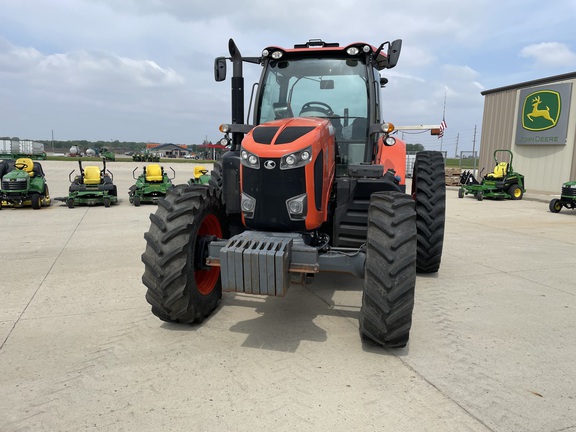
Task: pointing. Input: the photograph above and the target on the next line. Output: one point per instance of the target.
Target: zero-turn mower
(151, 185)
(201, 175)
(92, 186)
(503, 182)
(23, 184)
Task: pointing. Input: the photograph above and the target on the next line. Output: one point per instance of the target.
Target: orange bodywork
(393, 157)
(319, 137)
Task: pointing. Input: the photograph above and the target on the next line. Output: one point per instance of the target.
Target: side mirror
(220, 69)
(394, 53)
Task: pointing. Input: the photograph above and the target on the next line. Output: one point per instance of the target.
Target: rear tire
(460, 193)
(555, 205)
(429, 192)
(70, 203)
(515, 192)
(106, 202)
(180, 288)
(390, 275)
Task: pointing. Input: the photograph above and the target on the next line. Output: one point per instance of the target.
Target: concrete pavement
(492, 345)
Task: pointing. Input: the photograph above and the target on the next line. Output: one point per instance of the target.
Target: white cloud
(143, 68)
(550, 55)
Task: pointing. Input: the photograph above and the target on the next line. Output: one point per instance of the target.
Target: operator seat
(154, 173)
(91, 175)
(29, 165)
(199, 171)
(500, 171)
(360, 128)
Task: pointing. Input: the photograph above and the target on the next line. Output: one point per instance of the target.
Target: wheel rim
(206, 279)
(517, 192)
(557, 206)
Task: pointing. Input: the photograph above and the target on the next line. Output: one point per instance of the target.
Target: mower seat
(500, 171)
(92, 175)
(199, 171)
(29, 165)
(154, 173)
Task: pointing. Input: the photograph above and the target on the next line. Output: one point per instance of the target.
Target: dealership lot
(492, 345)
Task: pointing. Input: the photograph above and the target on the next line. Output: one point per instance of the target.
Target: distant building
(168, 150)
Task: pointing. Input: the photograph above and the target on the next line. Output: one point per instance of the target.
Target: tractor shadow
(284, 322)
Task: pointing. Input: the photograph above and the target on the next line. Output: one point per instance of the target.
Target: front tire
(180, 288)
(429, 192)
(555, 205)
(35, 201)
(390, 275)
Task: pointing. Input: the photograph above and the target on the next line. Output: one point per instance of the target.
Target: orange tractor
(314, 183)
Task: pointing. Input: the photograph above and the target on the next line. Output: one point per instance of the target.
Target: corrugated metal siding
(545, 167)
(497, 126)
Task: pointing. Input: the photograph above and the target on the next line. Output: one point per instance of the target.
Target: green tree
(414, 147)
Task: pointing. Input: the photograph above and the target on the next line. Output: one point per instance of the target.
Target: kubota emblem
(269, 164)
(544, 112)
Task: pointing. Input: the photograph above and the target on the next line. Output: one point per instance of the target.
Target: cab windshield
(332, 88)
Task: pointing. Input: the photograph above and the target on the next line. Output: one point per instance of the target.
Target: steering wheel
(322, 107)
(21, 165)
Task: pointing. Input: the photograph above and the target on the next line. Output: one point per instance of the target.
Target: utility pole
(474, 149)
(456, 151)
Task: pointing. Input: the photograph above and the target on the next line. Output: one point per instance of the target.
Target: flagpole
(443, 118)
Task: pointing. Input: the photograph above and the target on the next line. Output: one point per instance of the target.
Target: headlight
(249, 160)
(352, 51)
(248, 205)
(390, 141)
(297, 207)
(277, 54)
(296, 159)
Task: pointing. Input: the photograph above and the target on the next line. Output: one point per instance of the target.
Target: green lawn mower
(201, 175)
(567, 198)
(23, 184)
(151, 185)
(93, 186)
(503, 182)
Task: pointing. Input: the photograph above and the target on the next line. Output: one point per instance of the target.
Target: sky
(142, 70)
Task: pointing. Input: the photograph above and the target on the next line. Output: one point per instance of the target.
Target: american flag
(443, 126)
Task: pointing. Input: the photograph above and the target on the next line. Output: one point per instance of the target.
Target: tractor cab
(325, 80)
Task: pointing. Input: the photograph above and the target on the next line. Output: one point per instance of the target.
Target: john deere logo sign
(541, 110)
(543, 114)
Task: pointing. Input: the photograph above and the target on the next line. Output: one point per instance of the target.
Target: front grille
(18, 184)
(569, 191)
(271, 188)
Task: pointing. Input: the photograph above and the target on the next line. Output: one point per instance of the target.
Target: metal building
(536, 120)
